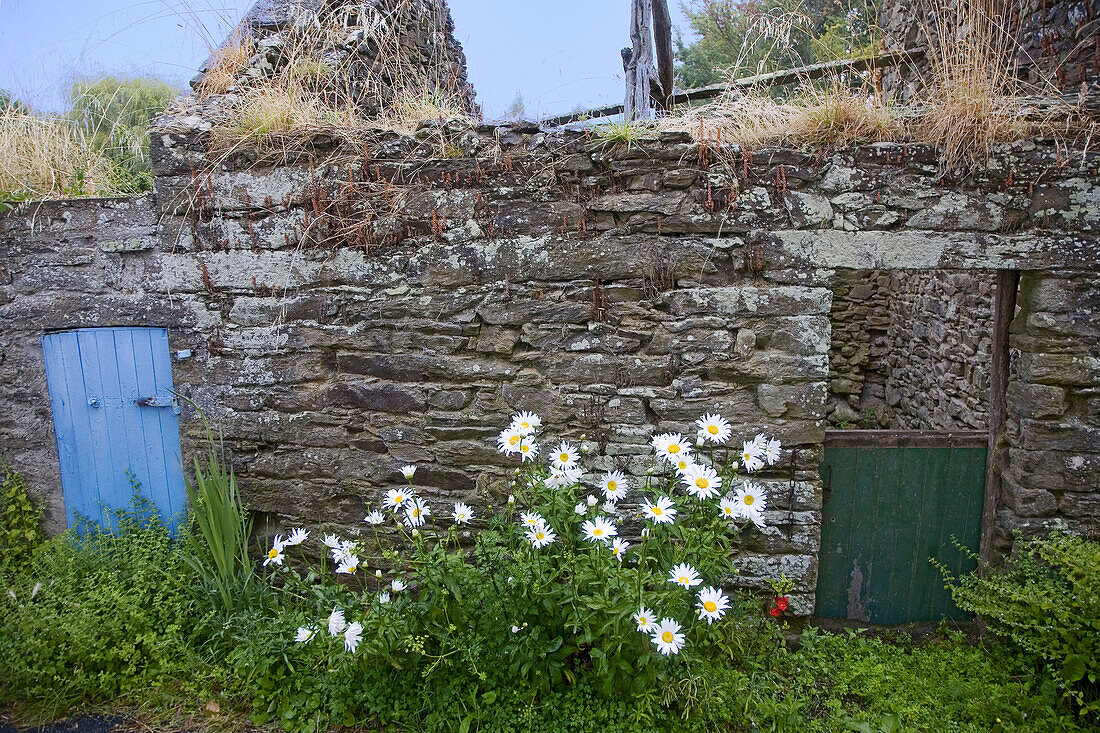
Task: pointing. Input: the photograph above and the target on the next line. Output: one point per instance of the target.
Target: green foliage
(114, 113)
(218, 551)
(628, 134)
(1045, 600)
(96, 614)
(20, 520)
(745, 37)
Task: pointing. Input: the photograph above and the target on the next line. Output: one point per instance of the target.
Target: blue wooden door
(114, 415)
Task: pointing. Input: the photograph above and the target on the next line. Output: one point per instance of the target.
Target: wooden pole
(1004, 308)
(638, 62)
(662, 39)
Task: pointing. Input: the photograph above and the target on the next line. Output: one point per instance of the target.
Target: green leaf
(1074, 668)
(489, 697)
(465, 726)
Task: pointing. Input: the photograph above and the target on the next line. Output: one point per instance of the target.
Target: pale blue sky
(556, 58)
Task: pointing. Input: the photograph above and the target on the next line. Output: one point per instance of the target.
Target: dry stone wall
(911, 350)
(351, 313)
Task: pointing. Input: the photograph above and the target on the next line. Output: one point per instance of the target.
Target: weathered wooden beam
(787, 76)
(906, 438)
(1004, 308)
(638, 62)
(662, 40)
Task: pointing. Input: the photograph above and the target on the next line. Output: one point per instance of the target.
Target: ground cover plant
(549, 613)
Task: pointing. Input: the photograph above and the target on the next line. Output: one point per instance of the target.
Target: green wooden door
(893, 501)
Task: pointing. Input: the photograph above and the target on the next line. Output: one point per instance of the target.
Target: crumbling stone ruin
(350, 311)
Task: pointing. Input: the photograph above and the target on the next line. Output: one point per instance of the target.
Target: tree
(114, 113)
(744, 37)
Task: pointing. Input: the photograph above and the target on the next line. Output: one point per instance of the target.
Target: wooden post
(638, 62)
(662, 38)
(1004, 308)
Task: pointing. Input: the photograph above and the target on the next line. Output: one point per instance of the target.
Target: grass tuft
(48, 157)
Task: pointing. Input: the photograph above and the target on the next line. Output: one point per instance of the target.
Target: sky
(557, 55)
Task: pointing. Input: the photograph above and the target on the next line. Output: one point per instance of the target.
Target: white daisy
(531, 519)
(671, 446)
(462, 513)
(528, 449)
(685, 575)
(661, 511)
(353, 635)
(275, 554)
(349, 565)
(336, 622)
(416, 511)
(540, 536)
(702, 481)
(619, 547)
(750, 499)
(331, 541)
(408, 471)
(614, 486)
(560, 479)
(609, 507)
(591, 500)
(728, 508)
(581, 509)
(714, 428)
(342, 551)
(297, 537)
(526, 422)
(384, 597)
(757, 518)
(772, 451)
(564, 457)
(760, 441)
(683, 465)
(644, 618)
(712, 604)
(667, 637)
(398, 585)
(305, 633)
(598, 530)
(508, 441)
(751, 456)
(374, 518)
(396, 498)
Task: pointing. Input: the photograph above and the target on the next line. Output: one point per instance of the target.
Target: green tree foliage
(114, 113)
(744, 37)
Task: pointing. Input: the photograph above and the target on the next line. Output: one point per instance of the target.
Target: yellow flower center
(525, 448)
(273, 554)
(611, 485)
(711, 606)
(539, 535)
(727, 510)
(658, 511)
(513, 440)
(749, 500)
(682, 465)
(525, 425)
(712, 429)
(683, 579)
(667, 637)
(597, 532)
(702, 483)
(674, 448)
(416, 513)
(564, 457)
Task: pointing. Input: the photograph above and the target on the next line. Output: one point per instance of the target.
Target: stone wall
(367, 50)
(1050, 453)
(1056, 43)
(351, 313)
(911, 350)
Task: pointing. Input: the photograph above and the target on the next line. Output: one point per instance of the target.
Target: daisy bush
(622, 575)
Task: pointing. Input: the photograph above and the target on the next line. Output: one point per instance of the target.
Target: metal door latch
(158, 402)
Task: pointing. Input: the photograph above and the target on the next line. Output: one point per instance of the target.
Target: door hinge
(158, 402)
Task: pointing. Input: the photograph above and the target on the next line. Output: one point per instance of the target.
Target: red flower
(775, 611)
(782, 602)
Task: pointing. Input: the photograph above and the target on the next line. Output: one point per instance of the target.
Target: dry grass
(973, 91)
(813, 116)
(226, 64)
(48, 157)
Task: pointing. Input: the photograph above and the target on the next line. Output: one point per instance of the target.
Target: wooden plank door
(889, 509)
(114, 416)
